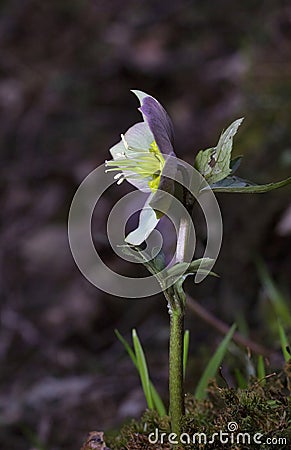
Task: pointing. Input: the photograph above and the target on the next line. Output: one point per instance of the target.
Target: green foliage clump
(260, 408)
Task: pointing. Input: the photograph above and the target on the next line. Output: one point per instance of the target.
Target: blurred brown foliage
(66, 71)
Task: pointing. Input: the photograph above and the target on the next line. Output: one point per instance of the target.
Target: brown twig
(223, 328)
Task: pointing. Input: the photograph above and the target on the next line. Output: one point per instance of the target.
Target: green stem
(176, 390)
(176, 305)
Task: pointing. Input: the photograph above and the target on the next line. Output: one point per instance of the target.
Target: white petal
(147, 223)
(139, 136)
(118, 150)
(141, 185)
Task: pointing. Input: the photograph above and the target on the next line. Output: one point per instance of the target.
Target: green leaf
(159, 260)
(230, 182)
(213, 364)
(201, 263)
(261, 370)
(238, 185)
(284, 342)
(185, 351)
(153, 264)
(241, 380)
(143, 369)
(214, 163)
(180, 271)
(203, 162)
(158, 403)
(127, 347)
(184, 268)
(235, 163)
(276, 298)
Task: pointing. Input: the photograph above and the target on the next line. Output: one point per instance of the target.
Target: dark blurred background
(66, 70)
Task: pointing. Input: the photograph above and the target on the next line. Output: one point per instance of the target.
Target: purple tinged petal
(161, 127)
(159, 123)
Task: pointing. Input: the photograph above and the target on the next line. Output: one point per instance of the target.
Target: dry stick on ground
(223, 328)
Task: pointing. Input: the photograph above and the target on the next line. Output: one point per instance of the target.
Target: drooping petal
(147, 223)
(156, 205)
(158, 121)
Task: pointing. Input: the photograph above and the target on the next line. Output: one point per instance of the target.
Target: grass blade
(284, 342)
(275, 296)
(127, 347)
(158, 402)
(241, 380)
(213, 364)
(142, 369)
(185, 351)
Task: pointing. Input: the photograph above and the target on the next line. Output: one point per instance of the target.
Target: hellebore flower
(141, 159)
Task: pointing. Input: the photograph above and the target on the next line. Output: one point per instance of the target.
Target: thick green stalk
(176, 305)
(176, 390)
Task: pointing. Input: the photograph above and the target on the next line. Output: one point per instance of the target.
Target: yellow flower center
(137, 164)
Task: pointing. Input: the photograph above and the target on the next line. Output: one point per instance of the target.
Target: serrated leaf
(238, 185)
(214, 163)
(203, 162)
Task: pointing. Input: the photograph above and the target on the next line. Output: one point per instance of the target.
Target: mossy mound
(238, 419)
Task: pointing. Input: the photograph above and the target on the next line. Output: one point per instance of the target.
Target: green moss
(263, 409)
